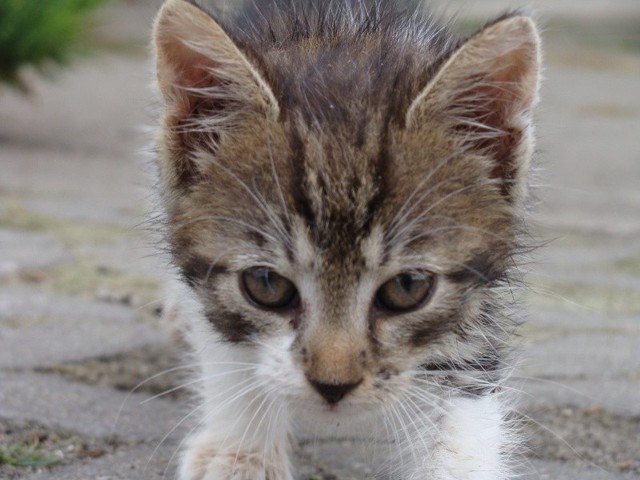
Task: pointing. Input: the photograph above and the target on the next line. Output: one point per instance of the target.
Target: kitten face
(338, 240)
(350, 251)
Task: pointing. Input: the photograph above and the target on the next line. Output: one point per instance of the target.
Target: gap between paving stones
(92, 411)
(33, 448)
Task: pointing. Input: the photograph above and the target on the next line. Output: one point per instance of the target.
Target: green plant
(24, 455)
(40, 33)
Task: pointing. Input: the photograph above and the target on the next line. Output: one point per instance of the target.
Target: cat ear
(196, 60)
(485, 92)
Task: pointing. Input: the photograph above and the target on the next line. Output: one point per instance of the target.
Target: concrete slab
(578, 130)
(557, 471)
(134, 254)
(98, 106)
(572, 9)
(580, 355)
(620, 396)
(571, 251)
(547, 323)
(40, 328)
(78, 186)
(20, 251)
(340, 459)
(135, 463)
(92, 411)
(132, 465)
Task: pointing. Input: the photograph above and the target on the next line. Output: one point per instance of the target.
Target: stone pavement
(80, 285)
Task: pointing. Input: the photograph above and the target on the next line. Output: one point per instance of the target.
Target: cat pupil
(265, 277)
(407, 283)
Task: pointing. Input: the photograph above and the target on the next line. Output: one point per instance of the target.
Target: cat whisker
(166, 436)
(432, 231)
(195, 382)
(410, 436)
(260, 202)
(157, 301)
(463, 389)
(266, 400)
(144, 382)
(408, 226)
(392, 434)
(565, 387)
(391, 418)
(276, 179)
(548, 292)
(426, 423)
(429, 398)
(400, 217)
(233, 220)
(209, 414)
(561, 439)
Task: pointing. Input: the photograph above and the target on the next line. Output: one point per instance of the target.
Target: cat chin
(325, 422)
(342, 411)
(319, 412)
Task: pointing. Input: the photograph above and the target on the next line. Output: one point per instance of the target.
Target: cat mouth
(348, 407)
(331, 408)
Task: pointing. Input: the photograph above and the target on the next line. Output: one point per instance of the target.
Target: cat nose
(333, 393)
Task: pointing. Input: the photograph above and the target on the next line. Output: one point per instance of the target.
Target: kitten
(343, 187)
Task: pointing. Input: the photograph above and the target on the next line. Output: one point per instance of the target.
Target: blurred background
(80, 318)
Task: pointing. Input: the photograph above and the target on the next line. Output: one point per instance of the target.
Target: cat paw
(206, 464)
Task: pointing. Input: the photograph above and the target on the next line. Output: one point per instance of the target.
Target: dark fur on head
(366, 50)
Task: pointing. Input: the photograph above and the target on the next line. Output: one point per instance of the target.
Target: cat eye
(405, 292)
(267, 289)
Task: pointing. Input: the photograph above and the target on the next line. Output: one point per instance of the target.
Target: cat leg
(244, 434)
(245, 442)
(472, 443)
(204, 459)
(244, 427)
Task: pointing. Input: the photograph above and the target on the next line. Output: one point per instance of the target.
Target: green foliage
(40, 33)
(24, 455)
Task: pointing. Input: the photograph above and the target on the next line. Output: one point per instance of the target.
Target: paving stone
(40, 328)
(92, 411)
(572, 9)
(539, 470)
(18, 251)
(585, 192)
(144, 463)
(620, 395)
(580, 278)
(136, 463)
(582, 355)
(132, 465)
(75, 186)
(133, 254)
(576, 251)
(580, 362)
(99, 106)
(546, 321)
(336, 459)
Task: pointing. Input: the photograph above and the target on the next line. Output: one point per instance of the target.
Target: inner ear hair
(485, 93)
(196, 58)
